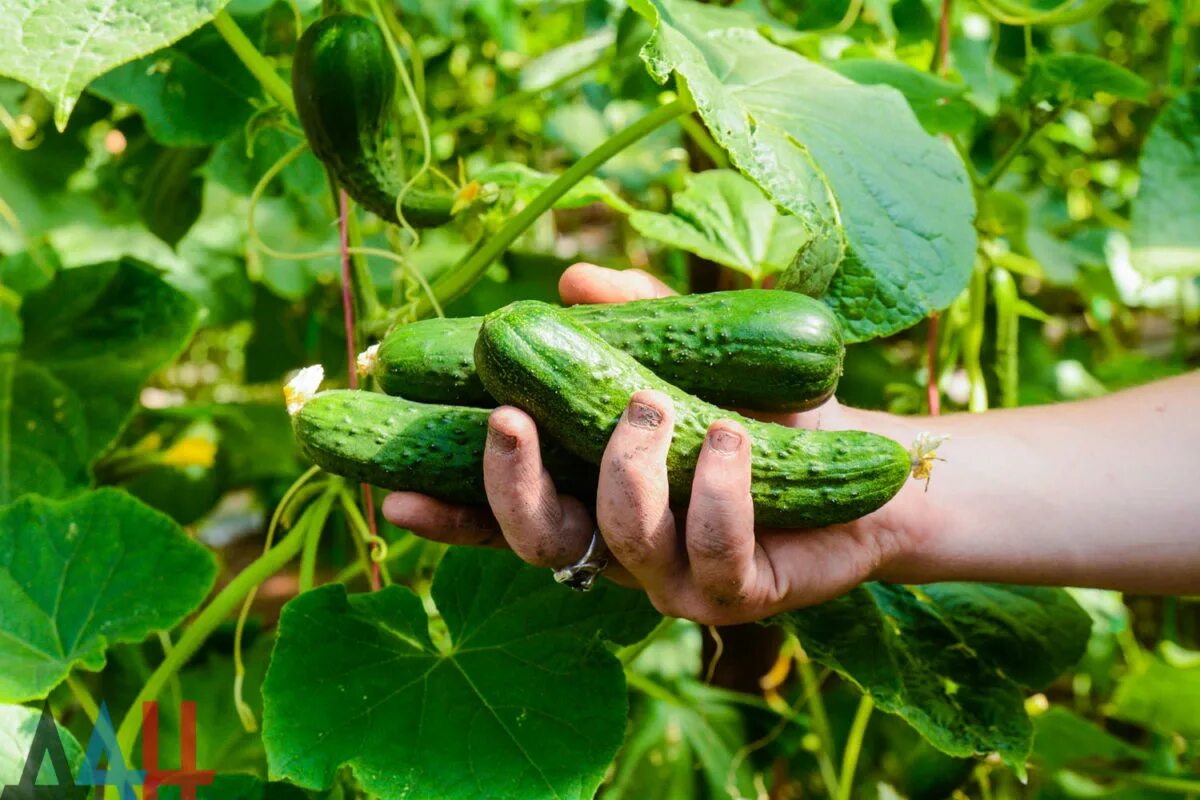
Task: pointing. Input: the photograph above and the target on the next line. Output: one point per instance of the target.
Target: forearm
(1097, 493)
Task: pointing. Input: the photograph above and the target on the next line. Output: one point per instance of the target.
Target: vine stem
(933, 389)
(1015, 149)
(217, 611)
(854, 741)
(351, 350)
(463, 276)
(820, 722)
(258, 65)
(84, 697)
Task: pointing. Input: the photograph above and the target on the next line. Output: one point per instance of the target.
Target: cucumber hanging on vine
(344, 83)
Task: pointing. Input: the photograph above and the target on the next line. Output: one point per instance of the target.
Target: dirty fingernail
(724, 441)
(501, 442)
(644, 416)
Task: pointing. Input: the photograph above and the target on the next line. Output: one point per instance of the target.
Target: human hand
(707, 562)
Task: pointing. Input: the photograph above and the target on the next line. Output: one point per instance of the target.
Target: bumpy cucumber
(758, 349)
(344, 82)
(576, 386)
(405, 446)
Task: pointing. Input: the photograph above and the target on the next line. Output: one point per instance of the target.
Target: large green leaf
(940, 105)
(726, 218)
(1164, 697)
(685, 742)
(527, 182)
(524, 700)
(1064, 77)
(949, 658)
(79, 575)
(18, 725)
(829, 149)
(59, 48)
(1163, 232)
(1062, 738)
(192, 94)
(91, 339)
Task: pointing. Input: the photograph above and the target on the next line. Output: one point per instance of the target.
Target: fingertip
(727, 438)
(579, 283)
(650, 408)
(399, 507)
(588, 283)
(512, 421)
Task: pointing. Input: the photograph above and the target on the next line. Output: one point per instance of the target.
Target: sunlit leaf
(77, 576)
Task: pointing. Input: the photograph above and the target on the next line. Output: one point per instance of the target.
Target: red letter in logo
(187, 777)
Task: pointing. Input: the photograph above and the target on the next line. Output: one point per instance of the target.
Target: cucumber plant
(991, 201)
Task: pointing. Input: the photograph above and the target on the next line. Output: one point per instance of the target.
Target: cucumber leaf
(519, 698)
(726, 218)
(1161, 696)
(92, 337)
(826, 148)
(1064, 77)
(950, 659)
(940, 105)
(1062, 737)
(59, 48)
(192, 94)
(18, 725)
(1163, 230)
(79, 575)
(527, 183)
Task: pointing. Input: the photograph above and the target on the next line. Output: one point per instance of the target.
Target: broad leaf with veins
(524, 700)
(828, 149)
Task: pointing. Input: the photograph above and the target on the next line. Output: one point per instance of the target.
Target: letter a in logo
(46, 742)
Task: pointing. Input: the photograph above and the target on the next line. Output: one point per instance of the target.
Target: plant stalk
(854, 741)
(259, 67)
(1010, 155)
(463, 276)
(221, 607)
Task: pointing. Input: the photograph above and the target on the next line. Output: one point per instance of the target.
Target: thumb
(588, 283)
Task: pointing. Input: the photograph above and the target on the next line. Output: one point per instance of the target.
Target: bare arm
(1100, 493)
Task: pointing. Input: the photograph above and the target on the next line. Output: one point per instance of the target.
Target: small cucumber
(344, 83)
(576, 385)
(756, 348)
(405, 446)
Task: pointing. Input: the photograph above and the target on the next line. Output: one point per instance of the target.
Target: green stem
(1180, 785)
(972, 345)
(462, 277)
(1008, 318)
(1031, 129)
(820, 724)
(630, 653)
(308, 558)
(217, 611)
(84, 697)
(641, 683)
(858, 730)
(699, 134)
(258, 65)
(508, 101)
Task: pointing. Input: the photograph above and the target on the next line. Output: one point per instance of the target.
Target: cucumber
(405, 446)
(344, 83)
(576, 385)
(756, 348)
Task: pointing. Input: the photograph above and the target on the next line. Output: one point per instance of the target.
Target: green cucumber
(344, 82)
(756, 348)
(576, 386)
(405, 446)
